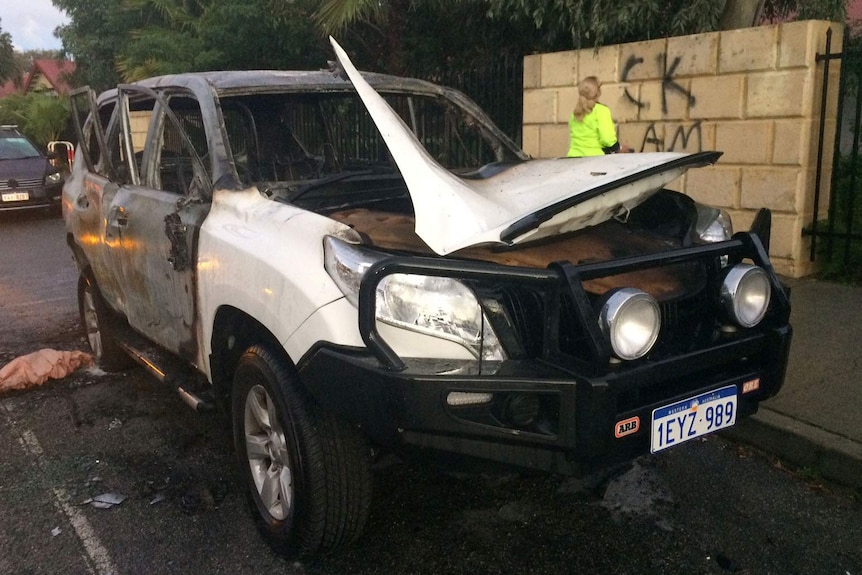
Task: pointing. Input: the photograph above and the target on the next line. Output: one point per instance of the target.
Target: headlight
(437, 306)
(53, 178)
(713, 224)
(630, 319)
(745, 294)
(346, 264)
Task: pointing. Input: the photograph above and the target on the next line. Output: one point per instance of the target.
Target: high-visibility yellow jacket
(594, 132)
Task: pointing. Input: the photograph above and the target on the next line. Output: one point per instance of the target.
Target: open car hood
(526, 201)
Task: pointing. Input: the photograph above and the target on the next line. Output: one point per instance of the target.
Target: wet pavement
(711, 506)
(816, 420)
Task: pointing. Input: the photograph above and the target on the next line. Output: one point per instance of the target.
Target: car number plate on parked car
(16, 197)
(684, 420)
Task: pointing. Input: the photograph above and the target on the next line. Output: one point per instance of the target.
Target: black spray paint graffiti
(667, 81)
(683, 133)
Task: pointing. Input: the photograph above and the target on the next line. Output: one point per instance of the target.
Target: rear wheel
(307, 472)
(100, 326)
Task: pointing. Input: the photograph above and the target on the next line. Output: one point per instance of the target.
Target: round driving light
(521, 409)
(631, 320)
(745, 294)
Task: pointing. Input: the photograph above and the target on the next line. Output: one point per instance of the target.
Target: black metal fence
(836, 236)
(498, 88)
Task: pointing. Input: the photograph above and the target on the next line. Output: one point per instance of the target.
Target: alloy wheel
(268, 455)
(91, 323)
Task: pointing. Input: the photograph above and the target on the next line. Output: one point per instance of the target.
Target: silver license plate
(694, 417)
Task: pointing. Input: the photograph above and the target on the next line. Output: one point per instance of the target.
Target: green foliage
(9, 68)
(334, 16)
(830, 255)
(47, 118)
(258, 34)
(835, 10)
(126, 40)
(12, 110)
(41, 117)
(391, 35)
(114, 40)
(461, 35)
(98, 30)
(416, 38)
(593, 23)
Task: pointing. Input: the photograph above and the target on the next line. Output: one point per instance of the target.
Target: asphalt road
(705, 507)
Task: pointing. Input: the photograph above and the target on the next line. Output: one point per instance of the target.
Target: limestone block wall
(754, 94)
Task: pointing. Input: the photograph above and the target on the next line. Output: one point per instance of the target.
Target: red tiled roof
(54, 71)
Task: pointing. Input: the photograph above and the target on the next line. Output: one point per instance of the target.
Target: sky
(31, 23)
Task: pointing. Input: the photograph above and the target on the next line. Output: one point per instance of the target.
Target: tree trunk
(741, 14)
(396, 21)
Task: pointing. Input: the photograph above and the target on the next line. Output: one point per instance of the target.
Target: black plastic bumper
(576, 417)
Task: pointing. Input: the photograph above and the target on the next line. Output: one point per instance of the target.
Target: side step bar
(176, 378)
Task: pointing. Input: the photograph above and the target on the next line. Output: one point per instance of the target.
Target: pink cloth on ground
(38, 367)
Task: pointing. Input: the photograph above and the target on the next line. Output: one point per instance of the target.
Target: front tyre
(100, 325)
(307, 472)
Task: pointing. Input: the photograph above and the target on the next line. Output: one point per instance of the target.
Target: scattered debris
(105, 500)
(38, 367)
(197, 499)
(56, 531)
(726, 563)
(115, 424)
(743, 451)
(201, 495)
(157, 499)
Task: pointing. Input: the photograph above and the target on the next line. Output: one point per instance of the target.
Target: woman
(590, 125)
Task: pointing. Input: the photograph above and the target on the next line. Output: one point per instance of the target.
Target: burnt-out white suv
(346, 261)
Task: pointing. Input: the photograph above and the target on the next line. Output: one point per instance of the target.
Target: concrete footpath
(815, 421)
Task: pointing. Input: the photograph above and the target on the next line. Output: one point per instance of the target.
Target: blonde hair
(589, 90)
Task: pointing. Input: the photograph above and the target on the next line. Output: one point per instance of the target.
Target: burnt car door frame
(97, 191)
(80, 121)
(160, 227)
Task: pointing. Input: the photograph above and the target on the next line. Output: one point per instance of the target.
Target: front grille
(525, 309)
(529, 318)
(688, 323)
(573, 340)
(22, 184)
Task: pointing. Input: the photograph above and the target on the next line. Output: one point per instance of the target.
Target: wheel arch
(78, 254)
(233, 332)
